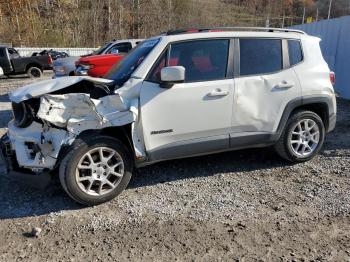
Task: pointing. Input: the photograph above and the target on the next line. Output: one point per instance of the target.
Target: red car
(97, 65)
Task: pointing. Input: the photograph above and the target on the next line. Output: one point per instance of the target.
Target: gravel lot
(242, 206)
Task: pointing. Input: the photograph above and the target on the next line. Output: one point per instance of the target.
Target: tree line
(90, 23)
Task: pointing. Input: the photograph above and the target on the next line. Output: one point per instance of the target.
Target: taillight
(332, 77)
(49, 60)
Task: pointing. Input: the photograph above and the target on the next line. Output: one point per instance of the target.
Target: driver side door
(193, 117)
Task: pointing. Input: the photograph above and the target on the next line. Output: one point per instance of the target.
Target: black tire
(70, 161)
(283, 148)
(34, 72)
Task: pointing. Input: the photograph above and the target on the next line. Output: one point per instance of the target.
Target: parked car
(13, 64)
(97, 65)
(66, 66)
(1, 71)
(54, 54)
(181, 94)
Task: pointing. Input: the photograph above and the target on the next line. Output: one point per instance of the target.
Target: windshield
(122, 71)
(101, 49)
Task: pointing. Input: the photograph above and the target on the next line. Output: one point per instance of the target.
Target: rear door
(193, 117)
(265, 83)
(5, 62)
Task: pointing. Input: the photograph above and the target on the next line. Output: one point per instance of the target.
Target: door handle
(284, 84)
(218, 92)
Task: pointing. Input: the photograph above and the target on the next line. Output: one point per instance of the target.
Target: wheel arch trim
(324, 100)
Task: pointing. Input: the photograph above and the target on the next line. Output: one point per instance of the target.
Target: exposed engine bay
(51, 114)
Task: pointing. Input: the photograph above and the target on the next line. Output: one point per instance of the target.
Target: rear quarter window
(295, 52)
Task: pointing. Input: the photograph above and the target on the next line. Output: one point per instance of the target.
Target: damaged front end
(51, 114)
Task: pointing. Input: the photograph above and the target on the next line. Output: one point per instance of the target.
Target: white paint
(38, 89)
(49, 142)
(172, 74)
(260, 100)
(187, 109)
(78, 112)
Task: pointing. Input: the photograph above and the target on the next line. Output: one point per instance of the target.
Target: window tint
(295, 52)
(260, 56)
(203, 60)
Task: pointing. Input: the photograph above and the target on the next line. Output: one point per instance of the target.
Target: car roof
(231, 32)
(126, 40)
(180, 37)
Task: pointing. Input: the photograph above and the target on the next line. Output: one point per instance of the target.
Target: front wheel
(302, 138)
(96, 170)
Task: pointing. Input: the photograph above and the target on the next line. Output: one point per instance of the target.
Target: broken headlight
(23, 113)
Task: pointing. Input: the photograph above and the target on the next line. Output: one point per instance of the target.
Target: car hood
(93, 58)
(48, 86)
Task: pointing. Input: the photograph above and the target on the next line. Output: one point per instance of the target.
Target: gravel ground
(242, 206)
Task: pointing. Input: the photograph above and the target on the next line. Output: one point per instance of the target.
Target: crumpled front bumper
(13, 171)
(34, 148)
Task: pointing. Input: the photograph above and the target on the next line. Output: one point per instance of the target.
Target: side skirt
(206, 146)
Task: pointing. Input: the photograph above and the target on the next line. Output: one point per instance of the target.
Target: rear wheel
(34, 72)
(96, 170)
(302, 138)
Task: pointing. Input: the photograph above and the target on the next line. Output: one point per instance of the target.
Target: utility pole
(304, 15)
(329, 9)
(109, 19)
(317, 14)
(138, 18)
(267, 22)
(169, 14)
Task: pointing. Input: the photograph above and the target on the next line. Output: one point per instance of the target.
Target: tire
(34, 72)
(291, 143)
(69, 173)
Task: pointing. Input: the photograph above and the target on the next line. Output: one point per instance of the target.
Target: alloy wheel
(304, 137)
(99, 171)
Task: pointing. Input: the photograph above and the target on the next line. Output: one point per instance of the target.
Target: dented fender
(64, 116)
(78, 112)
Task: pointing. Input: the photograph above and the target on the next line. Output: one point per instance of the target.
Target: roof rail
(235, 28)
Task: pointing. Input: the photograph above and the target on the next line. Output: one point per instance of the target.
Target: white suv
(183, 93)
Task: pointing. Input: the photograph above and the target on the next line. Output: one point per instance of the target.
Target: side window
(203, 60)
(13, 53)
(120, 48)
(260, 56)
(295, 52)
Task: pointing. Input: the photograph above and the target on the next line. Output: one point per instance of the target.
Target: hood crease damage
(65, 116)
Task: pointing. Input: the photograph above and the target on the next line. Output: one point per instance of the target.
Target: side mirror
(172, 75)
